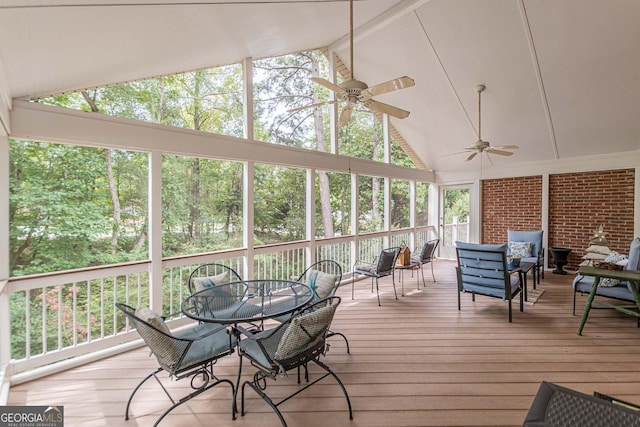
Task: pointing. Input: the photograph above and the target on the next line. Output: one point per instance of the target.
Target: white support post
(5, 306)
(310, 217)
(387, 210)
(155, 230)
(412, 215)
(248, 216)
(355, 214)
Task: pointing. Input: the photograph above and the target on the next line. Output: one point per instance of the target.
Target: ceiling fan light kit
(353, 92)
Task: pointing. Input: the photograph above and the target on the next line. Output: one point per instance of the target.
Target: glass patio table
(247, 301)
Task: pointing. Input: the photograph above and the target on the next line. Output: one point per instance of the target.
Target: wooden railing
(63, 315)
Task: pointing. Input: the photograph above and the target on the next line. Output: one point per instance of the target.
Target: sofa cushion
(634, 255)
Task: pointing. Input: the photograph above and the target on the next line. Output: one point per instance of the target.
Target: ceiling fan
(481, 146)
(354, 91)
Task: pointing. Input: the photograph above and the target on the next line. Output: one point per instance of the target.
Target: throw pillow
(152, 318)
(520, 249)
(321, 283)
(598, 249)
(608, 282)
(201, 283)
(304, 332)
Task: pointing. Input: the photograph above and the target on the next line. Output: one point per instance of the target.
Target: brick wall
(578, 204)
(510, 204)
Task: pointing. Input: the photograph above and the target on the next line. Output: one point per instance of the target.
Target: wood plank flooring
(415, 361)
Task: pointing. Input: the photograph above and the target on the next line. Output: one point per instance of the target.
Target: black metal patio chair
(293, 344)
(426, 256)
(383, 265)
(323, 278)
(189, 353)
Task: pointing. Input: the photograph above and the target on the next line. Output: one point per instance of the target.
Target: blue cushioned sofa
(621, 291)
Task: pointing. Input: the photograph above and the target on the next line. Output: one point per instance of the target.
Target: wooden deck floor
(417, 361)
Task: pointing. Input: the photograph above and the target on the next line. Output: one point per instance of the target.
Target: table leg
(402, 281)
(587, 306)
(524, 283)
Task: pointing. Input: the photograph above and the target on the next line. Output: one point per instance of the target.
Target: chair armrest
(257, 336)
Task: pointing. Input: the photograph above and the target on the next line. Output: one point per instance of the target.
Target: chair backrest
(387, 261)
(483, 268)
(165, 347)
(535, 237)
(323, 278)
(305, 333)
(207, 275)
(428, 251)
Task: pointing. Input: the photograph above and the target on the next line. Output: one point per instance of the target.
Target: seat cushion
(210, 346)
(620, 291)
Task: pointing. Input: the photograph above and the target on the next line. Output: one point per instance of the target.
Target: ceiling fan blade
(317, 104)
(391, 85)
(466, 150)
(381, 107)
(345, 115)
(500, 152)
(326, 83)
(506, 147)
(471, 156)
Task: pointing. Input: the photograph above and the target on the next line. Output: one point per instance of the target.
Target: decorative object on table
(513, 261)
(481, 271)
(404, 257)
(599, 236)
(560, 258)
(190, 353)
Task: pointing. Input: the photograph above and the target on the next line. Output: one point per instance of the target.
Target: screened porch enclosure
(69, 315)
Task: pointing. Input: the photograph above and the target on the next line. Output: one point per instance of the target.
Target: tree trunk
(115, 201)
(323, 177)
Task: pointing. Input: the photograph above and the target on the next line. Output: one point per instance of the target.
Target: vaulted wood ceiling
(562, 76)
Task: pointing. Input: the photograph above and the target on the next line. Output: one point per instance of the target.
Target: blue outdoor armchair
(528, 246)
(482, 270)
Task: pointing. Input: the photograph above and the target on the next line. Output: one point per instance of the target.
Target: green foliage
(400, 203)
(456, 204)
(279, 200)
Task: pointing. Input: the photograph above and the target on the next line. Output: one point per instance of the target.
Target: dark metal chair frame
(267, 343)
(211, 269)
(384, 265)
(427, 254)
(485, 272)
(178, 345)
(330, 267)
